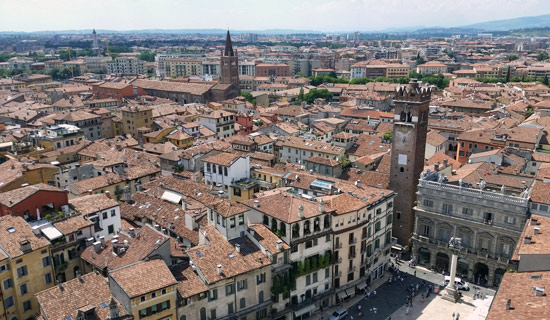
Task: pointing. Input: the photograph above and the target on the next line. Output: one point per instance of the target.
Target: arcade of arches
(478, 273)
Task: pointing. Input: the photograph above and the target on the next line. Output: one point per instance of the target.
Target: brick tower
(229, 64)
(407, 158)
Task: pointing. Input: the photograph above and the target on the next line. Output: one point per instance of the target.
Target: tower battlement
(412, 92)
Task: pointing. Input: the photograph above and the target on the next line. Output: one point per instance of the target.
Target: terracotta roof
(137, 279)
(440, 157)
(323, 161)
(310, 145)
(540, 193)
(72, 224)
(189, 283)
(192, 88)
(284, 206)
(518, 288)
(268, 239)
(80, 115)
(13, 231)
(222, 158)
(146, 242)
(93, 203)
(97, 182)
(178, 135)
(219, 251)
(90, 292)
(167, 215)
(13, 197)
(435, 139)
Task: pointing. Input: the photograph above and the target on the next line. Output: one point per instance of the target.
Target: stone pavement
(390, 301)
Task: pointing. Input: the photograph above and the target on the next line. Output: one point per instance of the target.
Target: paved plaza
(390, 300)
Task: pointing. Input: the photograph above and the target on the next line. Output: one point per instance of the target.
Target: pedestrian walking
(407, 310)
(457, 316)
(415, 273)
(374, 292)
(453, 316)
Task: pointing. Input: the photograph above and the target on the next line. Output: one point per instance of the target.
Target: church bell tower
(229, 64)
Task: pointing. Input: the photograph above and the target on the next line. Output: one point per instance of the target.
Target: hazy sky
(322, 15)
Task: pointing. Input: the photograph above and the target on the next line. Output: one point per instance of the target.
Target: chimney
(445, 162)
(238, 248)
(358, 183)
(534, 222)
(102, 240)
(114, 245)
(25, 246)
(97, 246)
(539, 291)
(516, 172)
(90, 192)
(436, 166)
(321, 206)
(508, 304)
(379, 186)
(527, 240)
(89, 242)
(219, 269)
(301, 211)
(537, 230)
(256, 203)
(108, 194)
(59, 285)
(279, 244)
(132, 232)
(78, 276)
(113, 310)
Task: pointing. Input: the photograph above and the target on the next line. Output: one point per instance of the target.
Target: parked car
(339, 314)
(459, 283)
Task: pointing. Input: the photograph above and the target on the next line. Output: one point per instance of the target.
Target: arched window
(243, 303)
(295, 230)
(317, 224)
(183, 317)
(307, 230)
(203, 313)
(266, 220)
(282, 229)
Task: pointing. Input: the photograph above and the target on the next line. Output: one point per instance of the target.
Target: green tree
(542, 56)
(317, 93)
(508, 75)
(301, 95)
(512, 57)
(248, 97)
(332, 74)
(545, 80)
(388, 136)
(150, 72)
(147, 56)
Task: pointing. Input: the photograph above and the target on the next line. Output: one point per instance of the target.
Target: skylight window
(11, 229)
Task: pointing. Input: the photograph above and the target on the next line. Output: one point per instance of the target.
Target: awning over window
(350, 292)
(342, 295)
(362, 285)
(304, 310)
(171, 196)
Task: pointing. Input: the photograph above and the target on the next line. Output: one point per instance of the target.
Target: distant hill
(511, 24)
(169, 31)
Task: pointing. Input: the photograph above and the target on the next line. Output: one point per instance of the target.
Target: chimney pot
(279, 244)
(238, 248)
(219, 269)
(108, 194)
